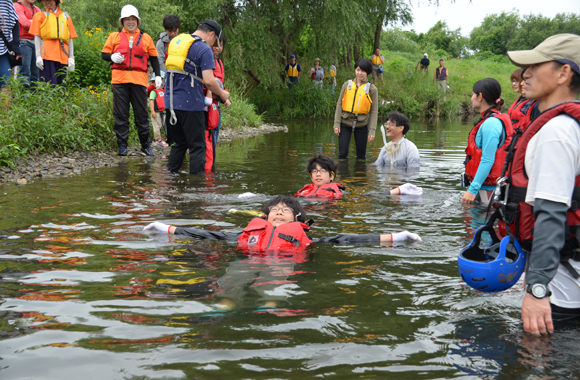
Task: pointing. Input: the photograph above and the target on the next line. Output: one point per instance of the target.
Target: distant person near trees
(26, 11)
(190, 66)
(53, 32)
(317, 73)
(357, 111)
(330, 77)
(520, 111)
(377, 60)
(11, 32)
(424, 63)
(157, 107)
(441, 77)
(293, 70)
(171, 24)
(129, 50)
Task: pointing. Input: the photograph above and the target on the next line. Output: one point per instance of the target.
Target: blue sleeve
(487, 139)
(206, 59)
(286, 68)
(298, 66)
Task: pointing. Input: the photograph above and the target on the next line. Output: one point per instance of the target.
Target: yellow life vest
(55, 28)
(331, 71)
(292, 70)
(376, 60)
(177, 52)
(357, 100)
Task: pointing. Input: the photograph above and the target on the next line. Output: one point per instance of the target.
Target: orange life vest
(135, 57)
(260, 235)
(330, 190)
(473, 158)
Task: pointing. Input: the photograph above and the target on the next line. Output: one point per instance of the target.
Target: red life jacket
(330, 190)
(160, 99)
(517, 213)
(135, 57)
(473, 158)
(520, 113)
(219, 70)
(260, 235)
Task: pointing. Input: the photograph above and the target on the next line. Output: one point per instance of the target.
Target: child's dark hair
(399, 119)
(490, 89)
(299, 213)
(365, 65)
(517, 75)
(325, 162)
(171, 22)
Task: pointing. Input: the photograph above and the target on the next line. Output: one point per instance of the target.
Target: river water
(85, 294)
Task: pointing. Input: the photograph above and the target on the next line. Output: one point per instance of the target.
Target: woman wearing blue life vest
(486, 143)
(283, 228)
(357, 111)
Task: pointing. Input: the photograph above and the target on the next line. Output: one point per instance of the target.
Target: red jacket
(135, 57)
(25, 19)
(330, 190)
(160, 99)
(473, 158)
(260, 235)
(518, 214)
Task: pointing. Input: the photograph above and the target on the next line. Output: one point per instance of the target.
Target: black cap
(212, 25)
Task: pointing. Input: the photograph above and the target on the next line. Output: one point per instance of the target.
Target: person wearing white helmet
(130, 50)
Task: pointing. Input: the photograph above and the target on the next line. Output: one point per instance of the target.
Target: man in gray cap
(185, 97)
(545, 183)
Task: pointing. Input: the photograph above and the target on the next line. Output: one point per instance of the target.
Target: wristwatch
(539, 291)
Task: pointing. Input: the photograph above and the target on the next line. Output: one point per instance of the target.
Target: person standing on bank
(190, 61)
(11, 32)
(26, 11)
(53, 33)
(441, 77)
(171, 24)
(129, 50)
(317, 73)
(424, 63)
(293, 71)
(546, 167)
(357, 111)
(486, 142)
(377, 61)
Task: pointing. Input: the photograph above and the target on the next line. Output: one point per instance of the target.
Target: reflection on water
(83, 288)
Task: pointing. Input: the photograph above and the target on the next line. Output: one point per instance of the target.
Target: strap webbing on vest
(173, 118)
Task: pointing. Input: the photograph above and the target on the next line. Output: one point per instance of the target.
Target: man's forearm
(549, 236)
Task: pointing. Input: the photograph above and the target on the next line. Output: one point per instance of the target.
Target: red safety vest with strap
(474, 153)
(520, 113)
(330, 190)
(518, 214)
(135, 57)
(219, 70)
(160, 99)
(260, 235)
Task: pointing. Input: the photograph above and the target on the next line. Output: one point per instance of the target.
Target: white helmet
(426, 55)
(129, 10)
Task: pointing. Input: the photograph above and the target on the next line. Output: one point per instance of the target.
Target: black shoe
(148, 151)
(122, 150)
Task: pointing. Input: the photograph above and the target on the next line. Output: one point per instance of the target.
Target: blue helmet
(494, 268)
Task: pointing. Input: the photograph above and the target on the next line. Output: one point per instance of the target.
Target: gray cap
(563, 48)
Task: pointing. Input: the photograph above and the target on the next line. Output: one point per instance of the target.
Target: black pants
(360, 139)
(188, 133)
(124, 96)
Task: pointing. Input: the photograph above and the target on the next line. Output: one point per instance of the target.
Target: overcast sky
(465, 15)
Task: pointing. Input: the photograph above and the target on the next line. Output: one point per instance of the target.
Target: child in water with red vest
(283, 227)
(486, 142)
(322, 170)
(282, 234)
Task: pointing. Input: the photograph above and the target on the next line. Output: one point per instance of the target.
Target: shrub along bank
(405, 89)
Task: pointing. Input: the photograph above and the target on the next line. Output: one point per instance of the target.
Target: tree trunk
(378, 36)
(356, 53)
(349, 52)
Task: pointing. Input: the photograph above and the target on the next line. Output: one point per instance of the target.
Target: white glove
(71, 64)
(117, 58)
(158, 82)
(410, 189)
(405, 235)
(158, 226)
(39, 63)
(208, 101)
